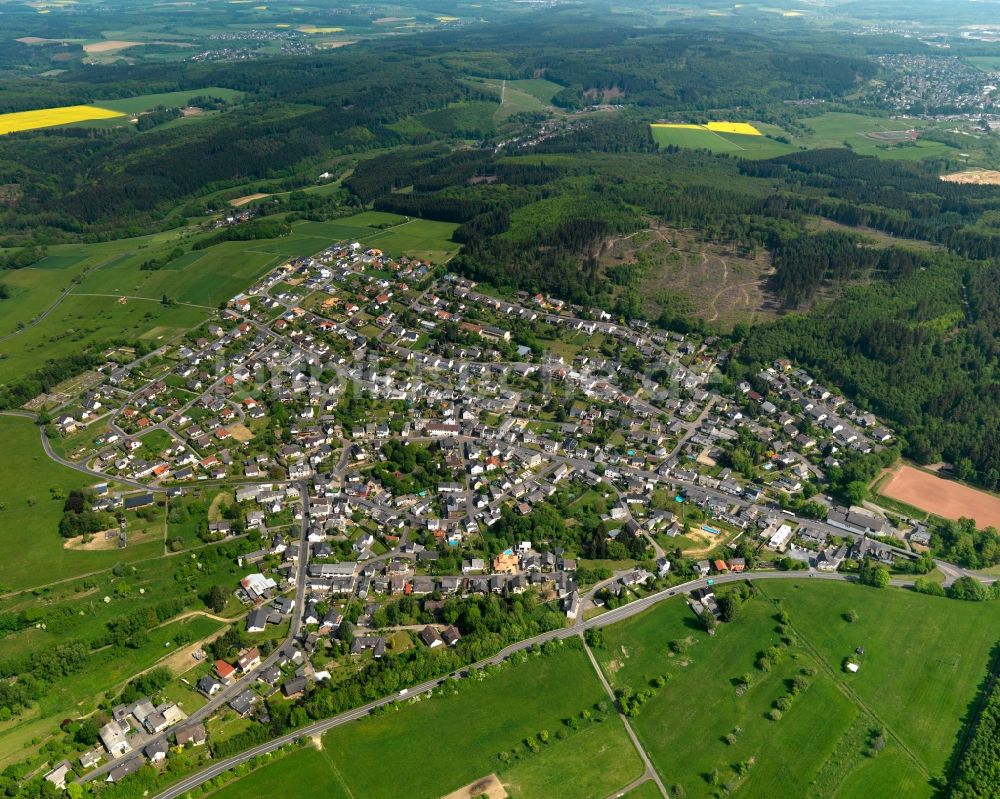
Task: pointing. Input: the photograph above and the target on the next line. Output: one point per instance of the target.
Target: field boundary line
(849, 692)
(336, 771)
(727, 141)
(66, 292)
(650, 770)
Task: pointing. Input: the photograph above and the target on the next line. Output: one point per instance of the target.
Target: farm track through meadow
(849, 692)
(66, 292)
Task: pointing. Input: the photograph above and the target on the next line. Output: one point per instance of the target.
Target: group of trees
(961, 542)
(978, 773)
(14, 393)
(79, 519)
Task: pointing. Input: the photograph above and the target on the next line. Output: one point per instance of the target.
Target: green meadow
(832, 129)
(147, 102)
(438, 745)
(112, 297)
(737, 144)
(30, 509)
(914, 683)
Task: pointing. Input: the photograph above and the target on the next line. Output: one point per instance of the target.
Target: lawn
(912, 682)
(441, 744)
(156, 441)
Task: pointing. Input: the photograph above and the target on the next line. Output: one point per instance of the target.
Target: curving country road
(610, 617)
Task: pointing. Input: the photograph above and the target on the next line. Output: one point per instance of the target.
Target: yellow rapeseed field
(743, 128)
(315, 29)
(47, 117)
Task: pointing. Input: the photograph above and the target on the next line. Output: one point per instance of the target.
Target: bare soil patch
(686, 277)
(109, 46)
(942, 497)
(182, 660)
(249, 198)
(240, 432)
(489, 786)
(98, 542)
(974, 177)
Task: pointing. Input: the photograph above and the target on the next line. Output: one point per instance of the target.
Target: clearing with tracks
(683, 276)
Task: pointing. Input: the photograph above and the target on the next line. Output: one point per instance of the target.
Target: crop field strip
(50, 117)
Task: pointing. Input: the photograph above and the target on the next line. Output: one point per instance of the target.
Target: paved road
(610, 617)
(238, 686)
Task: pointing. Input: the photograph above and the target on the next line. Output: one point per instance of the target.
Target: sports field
(50, 117)
(441, 744)
(942, 497)
(914, 681)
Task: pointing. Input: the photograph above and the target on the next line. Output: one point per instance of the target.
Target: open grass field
(942, 497)
(742, 139)
(543, 90)
(473, 119)
(420, 238)
(924, 656)
(987, 63)
(441, 744)
(310, 770)
(147, 102)
(29, 516)
(50, 117)
(835, 128)
(106, 673)
(114, 298)
(86, 318)
(914, 681)
(866, 135)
